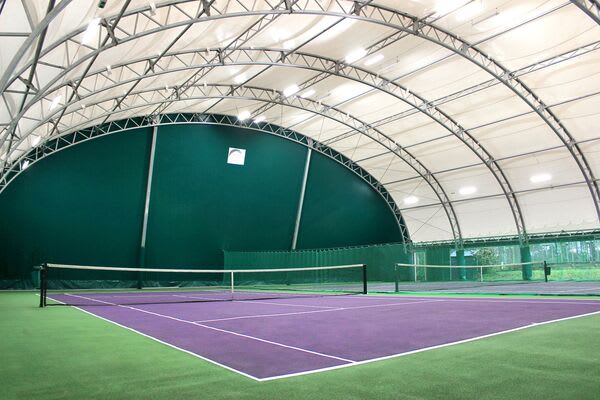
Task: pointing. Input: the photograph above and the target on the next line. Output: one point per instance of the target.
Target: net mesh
(413, 277)
(91, 285)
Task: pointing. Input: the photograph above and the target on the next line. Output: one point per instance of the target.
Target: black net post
(546, 271)
(43, 284)
(364, 273)
(396, 278)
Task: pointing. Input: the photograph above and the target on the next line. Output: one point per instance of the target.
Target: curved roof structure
(479, 117)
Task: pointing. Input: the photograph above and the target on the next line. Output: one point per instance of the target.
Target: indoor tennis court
(278, 336)
(300, 199)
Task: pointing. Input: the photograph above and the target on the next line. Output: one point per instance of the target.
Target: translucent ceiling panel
(486, 106)
(279, 78)
(559, 209)
(190, 106)
(316, 126)
(408, 55)
(288, 32)
(485, 217)
(226, 75)
(567, 80)
(414, 129)
(478, 21)
(515, 136)
(547, 36)
(235, 106)
(445, 77)
(544, 169)
(358, 147)
(213, 34)
(592, 153)
(427, 224)
(468, 183)
(388, 167)
(347, 40)
(9, 46)
(373, 106)
(413, 193)
(445, 154)
(581, 117)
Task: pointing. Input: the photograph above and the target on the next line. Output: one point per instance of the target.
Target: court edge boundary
(356, 363)
(165, 343)
(352, 364)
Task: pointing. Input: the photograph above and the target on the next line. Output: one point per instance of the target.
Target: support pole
(526, 258)
(365, 289)
(142, 259)
(460, 261)
(43, 284)
(301, 201)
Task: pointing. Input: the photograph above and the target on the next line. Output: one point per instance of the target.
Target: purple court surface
(276, 338)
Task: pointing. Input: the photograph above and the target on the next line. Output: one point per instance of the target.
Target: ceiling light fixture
(90, 31)
(374, 60)
(411, 200)
(307, 93)
(539, 178)
(244, 115)
(55, 102)
(24, 165)
(467, 190)
(355, 55)
(289, 44)
(290, 90)
(240, 78)
(470, 10)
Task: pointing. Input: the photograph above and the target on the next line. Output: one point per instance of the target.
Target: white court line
(220, 330)
(282, 304)
(354, 363)
(266, 315)
(316, 311)
(202, 298)
(481, 299)
(578, 290)
(162, 342)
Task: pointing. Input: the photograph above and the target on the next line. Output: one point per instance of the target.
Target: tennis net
(413, 277)
(95, 285)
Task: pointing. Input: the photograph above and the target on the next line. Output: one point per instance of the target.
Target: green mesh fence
(380, 259)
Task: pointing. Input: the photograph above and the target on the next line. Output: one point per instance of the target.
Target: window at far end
(236, 156)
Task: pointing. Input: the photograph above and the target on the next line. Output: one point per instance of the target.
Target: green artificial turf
(63, 353)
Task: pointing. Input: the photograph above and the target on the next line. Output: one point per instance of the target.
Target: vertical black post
(396, 278)
(546, 271)
(364, 278)
(43, 284)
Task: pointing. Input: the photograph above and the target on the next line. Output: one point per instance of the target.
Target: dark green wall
(340, 209)
(201, 205)
(84, 205)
